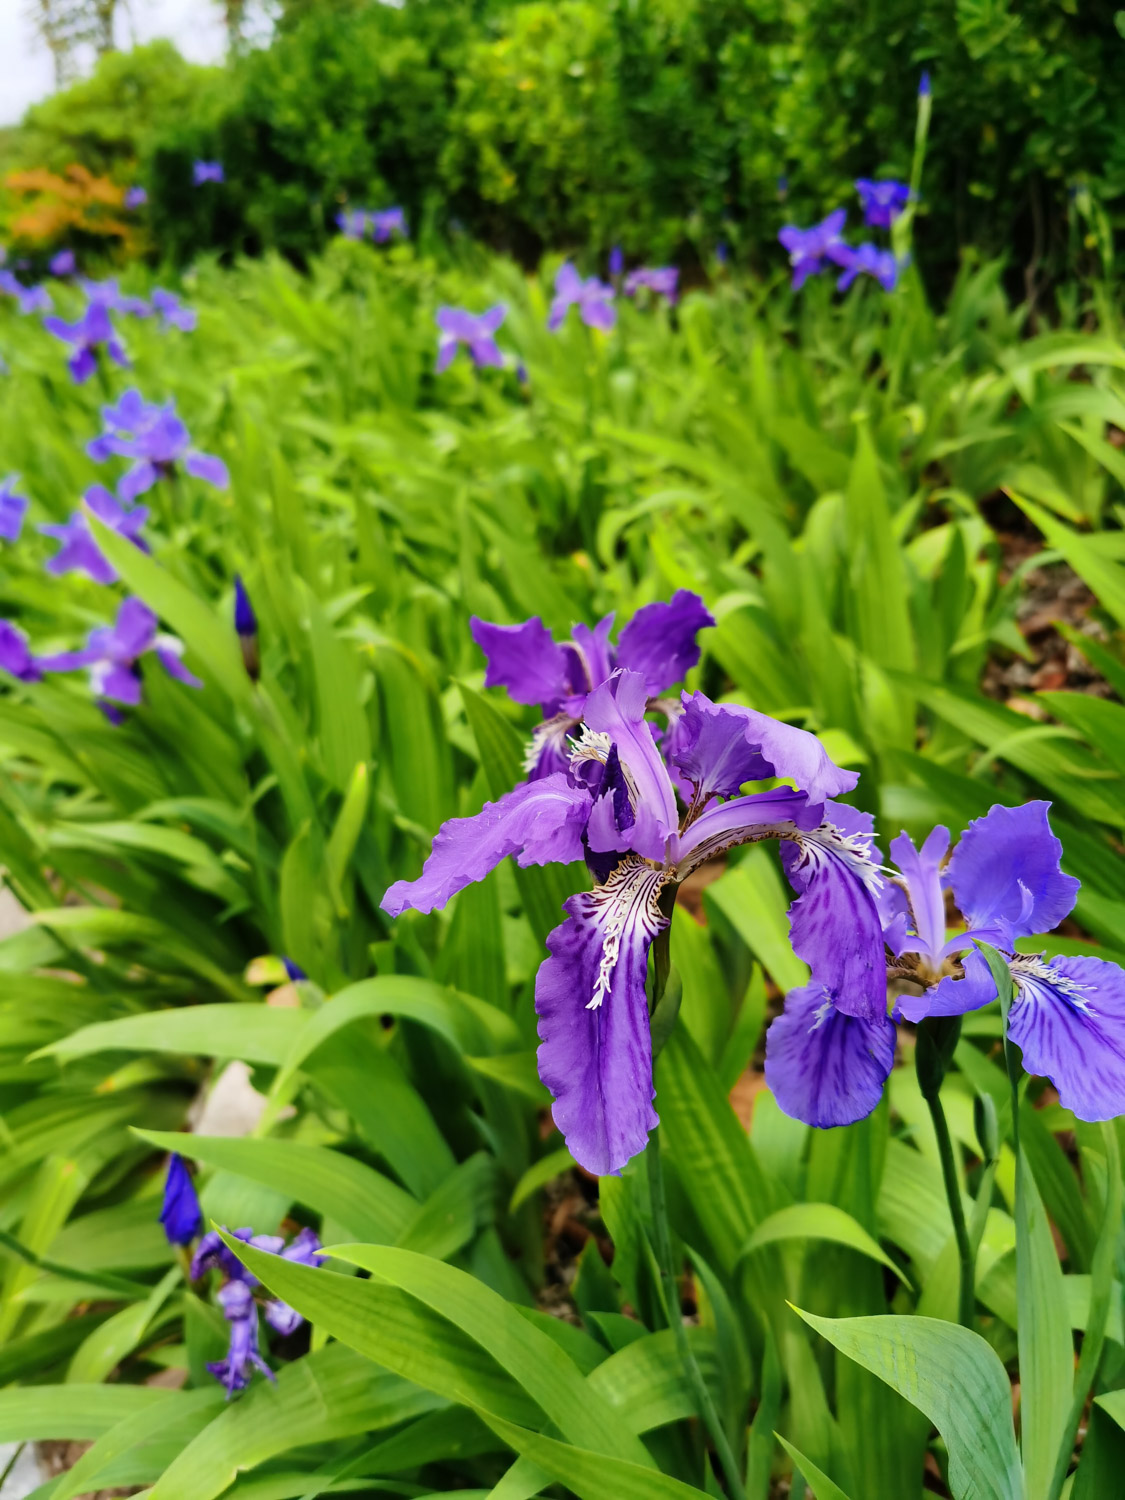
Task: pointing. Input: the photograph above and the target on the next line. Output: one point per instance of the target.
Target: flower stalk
(933, 1053)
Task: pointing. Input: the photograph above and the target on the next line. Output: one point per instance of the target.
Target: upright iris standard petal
(835, 924)
(921, 869)
(1068, 1020)
(595, 1053)
(615, 714)
(882, 201)
(720, 746)
(824, 1067)
(180, 1215)
(523, 659)
(660, 642)
(1005, 875)
(541, 822)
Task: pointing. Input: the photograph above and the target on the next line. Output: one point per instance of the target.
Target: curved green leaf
(819, 1221)
(254, 1033)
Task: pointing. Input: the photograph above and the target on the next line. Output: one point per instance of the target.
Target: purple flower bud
(136, 197)
(294, 971)
(924, 84)
(616, 261)
(181, 1215)
(246, 628)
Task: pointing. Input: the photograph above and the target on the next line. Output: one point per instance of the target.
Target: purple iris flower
(79, 552)
(1068, 1017)
(135, 197)
(207, 171)
(157, 439)
(593, 299)
(616, 806)
(659, 642)
(352, 223)
(883, 201)
(13, 508)
(386, 222)
(661, 281)
(866, 259)
(109, 295)
(236, 1298)
(93, 331)
(808, 248)
(65, 263)
(15, 654)
(474, 330)
(31, 299)
(173, 313)
(113, 654)
(180, 1215)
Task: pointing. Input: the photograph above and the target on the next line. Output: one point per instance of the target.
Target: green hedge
(664, 125)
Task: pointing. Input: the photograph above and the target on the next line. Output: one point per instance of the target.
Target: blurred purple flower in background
(135, 197)
(882, 202)
(593, 299)
(93, 331)
(172, 312)
(352, 223)
(662, 281)
(15, 654)
(924, 84)
(808, 248)
(868, 260)
(386, 222)
(13, 508)
(156, 437)
(31, 299)
(79, 552)
(207, 171)
(616, 261)
(65, 263)
(474, 330)
(112, 654)
(246, 628)
(109, 295)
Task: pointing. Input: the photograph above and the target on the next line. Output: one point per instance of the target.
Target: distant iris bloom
(810, 248)
(868, 260)
(109, 295)
(172, 312)
(593, 299)
(31, 299)
(180, 1214)
(92, 332)
(135, 197)
(659, 642)
(475, 330)
(882, 202)
(616, 261)
(157, 439)
(65, 263)
(15, 654)
(246, 628)
(113, 654)
(79, 552)
(616, 807)
(386, 222)
(13, 508)
(662, 281)
(207, 171)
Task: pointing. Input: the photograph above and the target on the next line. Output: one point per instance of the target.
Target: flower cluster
(182, 1219)
(644, 804)
(811, 250)
(644, 807)
(828, 1067)
(381, 224)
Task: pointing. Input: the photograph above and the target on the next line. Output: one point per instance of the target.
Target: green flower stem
(936, 1040)
(662, 1247)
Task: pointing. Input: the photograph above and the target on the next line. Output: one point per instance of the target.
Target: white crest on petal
(552, 733)
(630, 898)
(1034, 967)
(591, 744)
(851, 849)
(172, 643)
